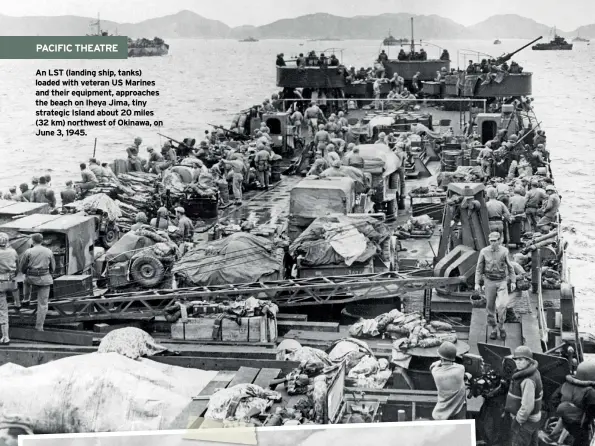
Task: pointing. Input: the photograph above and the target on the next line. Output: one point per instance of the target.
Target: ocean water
(207, 81)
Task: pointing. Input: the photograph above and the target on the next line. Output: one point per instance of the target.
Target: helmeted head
(162, 212)
(24, 187)
(586, 371)
(138, 140)
(320, 126)
(341, 114)
(350, 146)
(550, 189)
(150, 149)
(3, 240)
(35, 181)
(447, 351)
(523, 357)
(141, 217)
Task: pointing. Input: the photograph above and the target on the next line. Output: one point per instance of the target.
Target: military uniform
(37, 265)
(495, 270)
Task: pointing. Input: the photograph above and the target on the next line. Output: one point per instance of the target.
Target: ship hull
(510, 85)
(310, 77)
(567, 47)
(408, 68)
(148, 51)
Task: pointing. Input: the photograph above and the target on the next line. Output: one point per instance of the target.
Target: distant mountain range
(188, 24)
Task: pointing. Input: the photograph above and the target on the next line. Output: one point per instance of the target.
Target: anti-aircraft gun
(506, 57)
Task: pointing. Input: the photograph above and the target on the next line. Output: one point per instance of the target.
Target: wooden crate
(251, 329)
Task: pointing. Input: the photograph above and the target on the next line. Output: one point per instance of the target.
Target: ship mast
(98, 23)
(412, 41)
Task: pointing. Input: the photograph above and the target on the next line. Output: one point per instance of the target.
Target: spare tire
(111, 236)
(147, 271)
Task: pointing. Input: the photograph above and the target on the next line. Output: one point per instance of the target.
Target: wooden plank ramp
(479, 331)
(530, 331)
(191, 416)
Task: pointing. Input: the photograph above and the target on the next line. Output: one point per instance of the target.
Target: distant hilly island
(188, 24)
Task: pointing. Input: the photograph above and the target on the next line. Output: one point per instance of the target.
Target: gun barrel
(507, 56)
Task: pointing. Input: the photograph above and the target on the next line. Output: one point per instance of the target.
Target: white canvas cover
(99, 392)
(379, 156)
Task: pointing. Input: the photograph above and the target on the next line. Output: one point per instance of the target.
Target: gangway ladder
(428, 303)
(285, 293)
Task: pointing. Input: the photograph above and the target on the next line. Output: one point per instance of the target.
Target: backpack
(570, 413)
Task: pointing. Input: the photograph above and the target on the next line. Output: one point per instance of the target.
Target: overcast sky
(565, 14)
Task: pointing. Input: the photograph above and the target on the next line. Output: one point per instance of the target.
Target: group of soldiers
(492, 66)
(521, 420)
(515, 169)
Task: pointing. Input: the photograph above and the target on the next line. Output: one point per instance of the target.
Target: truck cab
(70, 237)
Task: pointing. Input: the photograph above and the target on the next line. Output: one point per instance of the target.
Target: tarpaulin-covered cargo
(129, 245)
(313, 198)
(379, 158)
(239, 258)
(70, 237)
(100, 392)
(383, 165)
(340, 240)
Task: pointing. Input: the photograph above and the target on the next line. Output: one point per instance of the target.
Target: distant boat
(393, 41)
(557, 44)
(325, 39)
(99, 32)
(578, 38)
(497, 42)
(139, 47)
(249, 39)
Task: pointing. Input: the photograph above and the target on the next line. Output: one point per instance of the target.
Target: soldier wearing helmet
(495, 271)
(549, 210)
(134, 162)
(535, 197)
(524, 398)
(8, 269)
(486, 158)
(497, 210)
(450, 382)
(575, 403)
(517, 203)
(322, 137)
